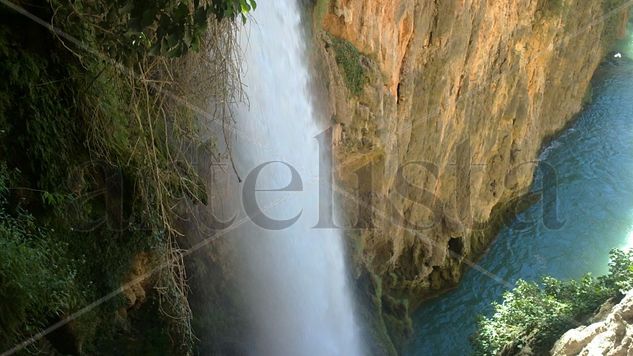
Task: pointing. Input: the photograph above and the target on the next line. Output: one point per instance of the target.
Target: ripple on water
(594, 166)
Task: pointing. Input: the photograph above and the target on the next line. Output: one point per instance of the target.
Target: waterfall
(294, 279)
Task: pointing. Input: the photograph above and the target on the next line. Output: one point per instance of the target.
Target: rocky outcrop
(137, 284)
(610, 333)
(456, 100)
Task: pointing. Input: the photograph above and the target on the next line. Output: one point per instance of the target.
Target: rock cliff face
(609, 333)
(440, 109)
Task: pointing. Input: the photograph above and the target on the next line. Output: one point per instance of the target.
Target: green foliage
(33, 95)
(319, 12)
(537, 314)
(348, 59)
(88, 162)
(232, 8)
(37, 279)
(134, 28)
(621, 271)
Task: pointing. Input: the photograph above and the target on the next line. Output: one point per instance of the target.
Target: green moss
(396, 315)
(320, 10)
(370, 311)
(588, 98)
(348, 59)
(553, 6)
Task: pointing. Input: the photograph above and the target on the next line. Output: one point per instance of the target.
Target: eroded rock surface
(458, 97)
(611, 334)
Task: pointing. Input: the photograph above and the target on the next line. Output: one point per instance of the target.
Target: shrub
(130, 29)
(97, 149)
(37, 280)
(537, 314)
(348, 59)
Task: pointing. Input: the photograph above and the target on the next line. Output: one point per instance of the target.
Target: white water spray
(295, 279)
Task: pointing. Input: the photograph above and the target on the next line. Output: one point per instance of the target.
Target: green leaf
(148, 18)
(181, 13)
(244, 6)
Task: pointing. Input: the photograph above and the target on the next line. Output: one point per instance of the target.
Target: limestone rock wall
(610, 333)
(462, 94)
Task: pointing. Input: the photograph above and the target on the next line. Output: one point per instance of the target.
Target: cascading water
(294, 278)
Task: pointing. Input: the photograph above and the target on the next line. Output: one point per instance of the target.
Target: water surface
(593, 161)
